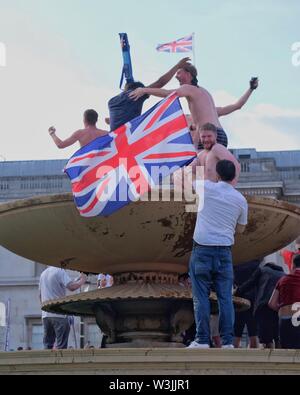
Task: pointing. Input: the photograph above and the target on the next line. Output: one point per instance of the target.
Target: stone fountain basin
(144, 236)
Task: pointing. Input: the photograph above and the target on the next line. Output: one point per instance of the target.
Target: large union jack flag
(120, 167)
(184, 44)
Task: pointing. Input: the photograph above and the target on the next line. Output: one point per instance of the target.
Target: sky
(63, 57)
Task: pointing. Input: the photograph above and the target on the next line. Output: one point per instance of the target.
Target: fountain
(144, 246)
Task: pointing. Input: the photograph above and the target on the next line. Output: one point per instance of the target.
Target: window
(93, 335)
(2, 314)
(38, 269)
(37, 337)
(245, 167)
(242, 157)
(35, 333)
(4, 185)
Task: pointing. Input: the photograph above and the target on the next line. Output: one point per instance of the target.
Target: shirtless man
(213, 153)
(204, 112)
(187, 76)
(83, 136)
(201, 105)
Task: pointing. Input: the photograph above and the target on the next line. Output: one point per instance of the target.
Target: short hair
(91, 117)
(226, 170)
(296, 261)
(134, 85)
(209, 127)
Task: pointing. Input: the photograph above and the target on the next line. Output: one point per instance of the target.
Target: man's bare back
(201, 104)
(83, 136)
(86, 136)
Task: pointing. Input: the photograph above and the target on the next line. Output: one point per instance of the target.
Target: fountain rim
(67, 198)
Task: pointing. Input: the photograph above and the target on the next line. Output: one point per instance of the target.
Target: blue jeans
(212, 266)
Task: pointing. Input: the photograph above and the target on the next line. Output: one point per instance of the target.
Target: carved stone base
(147, 309)
(145, 322)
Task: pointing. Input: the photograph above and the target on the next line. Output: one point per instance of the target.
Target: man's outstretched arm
(241, 102)
(183, 91)
(64, 143)
(140, 92)
(166, 78)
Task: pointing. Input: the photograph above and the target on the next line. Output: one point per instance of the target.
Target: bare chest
(209, 161)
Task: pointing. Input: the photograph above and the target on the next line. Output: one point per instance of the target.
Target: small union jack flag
(119, 168)
(184, 44)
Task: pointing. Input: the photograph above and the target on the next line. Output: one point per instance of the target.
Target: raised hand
(51, 130)
(254, 83)
(183, 62)
(137, 94)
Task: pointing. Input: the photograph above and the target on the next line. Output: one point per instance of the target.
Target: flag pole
(194, 51)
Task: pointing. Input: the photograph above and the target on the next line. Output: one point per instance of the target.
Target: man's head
(131, 86)
(226, 170)
(187, 75)
(90, 118)
(296, 262)
(208, 136)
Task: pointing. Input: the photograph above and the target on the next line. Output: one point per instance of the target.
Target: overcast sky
(63, 56)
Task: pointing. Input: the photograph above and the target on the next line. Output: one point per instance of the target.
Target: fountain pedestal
(144, 246)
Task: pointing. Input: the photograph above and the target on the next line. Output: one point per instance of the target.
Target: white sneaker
(199, 346)
(229, 347)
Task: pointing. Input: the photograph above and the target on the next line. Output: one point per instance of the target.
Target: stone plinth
(151, 362)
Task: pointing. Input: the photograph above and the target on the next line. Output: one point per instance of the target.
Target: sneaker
(228, 347)
(199, 346)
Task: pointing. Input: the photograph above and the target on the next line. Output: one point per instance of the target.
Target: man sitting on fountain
(212, 154)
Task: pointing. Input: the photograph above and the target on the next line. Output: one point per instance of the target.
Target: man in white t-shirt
(225, 212)
(54, 283)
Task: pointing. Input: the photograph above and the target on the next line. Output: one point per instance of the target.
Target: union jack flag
(184, 44)
(119, 168)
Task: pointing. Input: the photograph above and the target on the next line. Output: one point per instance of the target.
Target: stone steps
(151, 362)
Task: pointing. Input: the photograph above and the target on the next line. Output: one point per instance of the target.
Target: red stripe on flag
(90, 156)
(171, 155)
(171, 99)
(96, 200)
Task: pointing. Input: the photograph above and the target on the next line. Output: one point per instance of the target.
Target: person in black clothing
(264, 281)
(246, 318)
(123, 109)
